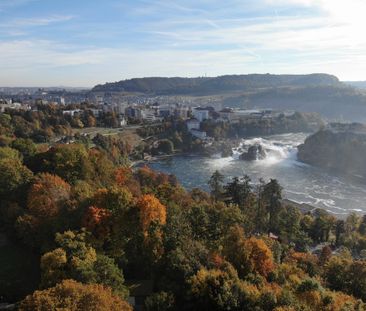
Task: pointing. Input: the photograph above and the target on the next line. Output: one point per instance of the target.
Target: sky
(82, 43)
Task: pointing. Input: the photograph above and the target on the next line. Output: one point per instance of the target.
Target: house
(122, 120)
(192, 124)
(133, 113)
(201, 113)
(245, 114)
(71, 112)
(10, 105)
(227, 114)
(165, 112)
(148, 115)
(120, 108)
(181, 112)
(199, 134)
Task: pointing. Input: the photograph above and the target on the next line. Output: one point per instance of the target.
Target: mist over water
(301, 182)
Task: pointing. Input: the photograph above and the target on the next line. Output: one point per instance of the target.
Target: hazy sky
(86, 42)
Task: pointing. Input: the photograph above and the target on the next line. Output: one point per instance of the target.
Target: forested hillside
(214, 85)
(320, 93)
(80, 230)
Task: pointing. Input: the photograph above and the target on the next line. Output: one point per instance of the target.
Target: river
(301, 182)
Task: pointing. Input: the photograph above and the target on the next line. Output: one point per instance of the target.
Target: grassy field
(128, 134)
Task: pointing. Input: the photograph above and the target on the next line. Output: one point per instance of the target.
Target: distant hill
(357, 84)
(334, 102)
(321, 93)
(214, 85)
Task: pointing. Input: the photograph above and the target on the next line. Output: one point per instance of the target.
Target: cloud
(20, 27)
(39, 21)
(168, 38)
(5, 4)
(42, 53)
(95, 65)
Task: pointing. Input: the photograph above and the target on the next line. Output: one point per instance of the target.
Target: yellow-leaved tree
(73, 296)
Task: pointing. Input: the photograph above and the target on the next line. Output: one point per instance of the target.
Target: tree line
(89, 225)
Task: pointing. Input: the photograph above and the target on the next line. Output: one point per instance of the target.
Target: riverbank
(301, 182)
(150, 158)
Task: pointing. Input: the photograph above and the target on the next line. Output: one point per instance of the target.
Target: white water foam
(301, 182)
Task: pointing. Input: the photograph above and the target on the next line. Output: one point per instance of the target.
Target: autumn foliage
(100, 223)
(96, 220)
(260, 256)
(47, 194)
(73, 296)
(151, 211)
(122, 174)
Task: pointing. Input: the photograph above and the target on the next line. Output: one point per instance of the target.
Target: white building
(193, 124)
(10, 105)
(96, 112)
(199, 134)
(227, 114)
(71, 112)
(148, 115)
(122, 121)
(201, 114)
(234, 115)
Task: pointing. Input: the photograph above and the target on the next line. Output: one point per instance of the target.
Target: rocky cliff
(342, 150)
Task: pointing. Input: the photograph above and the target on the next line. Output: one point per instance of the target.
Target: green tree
(272, 193)
(362, 227)
(322, 225)
(216, 185)
(289, 223)
(71, 162)
(13, 176)
(76, 259)
(166, 146)
(161, 301)
(238, 191)
(25, 146)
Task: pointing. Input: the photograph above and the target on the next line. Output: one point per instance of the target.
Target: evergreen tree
(216, 185)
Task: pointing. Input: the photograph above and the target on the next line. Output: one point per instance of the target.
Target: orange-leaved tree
(261, 257)
(152, 216)
(122, 174)
(73, 296)
(47, 194)
(151, 211)
(95, 220)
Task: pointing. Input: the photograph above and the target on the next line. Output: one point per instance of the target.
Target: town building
(96, 112)
(165, 111)
(122, 120)
(192, 124)
(120, 108)
(181, 112)
(227, 114)
(4, 104)
(148, 115)
(199, 134)
(133, 113)
(71, 113)
(201, 113)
